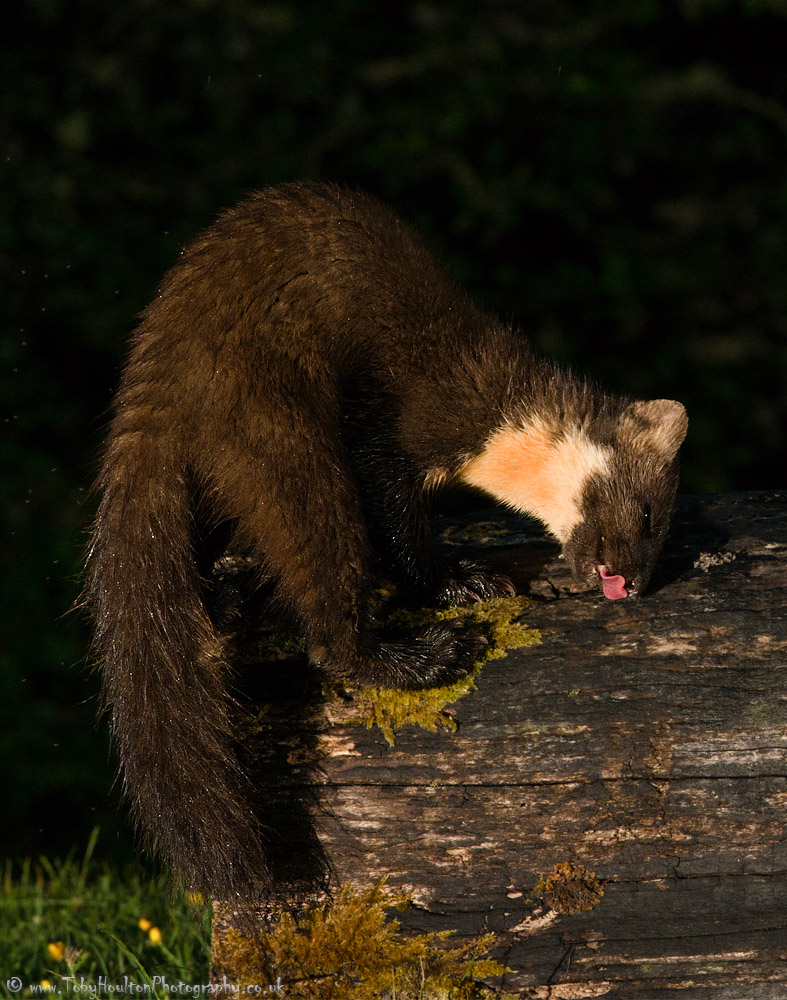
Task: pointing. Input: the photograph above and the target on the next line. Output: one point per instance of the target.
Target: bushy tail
(164, 674)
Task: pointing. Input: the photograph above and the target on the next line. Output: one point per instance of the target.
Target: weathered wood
(642, 740)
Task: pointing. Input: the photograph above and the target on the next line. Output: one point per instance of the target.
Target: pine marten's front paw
(440, 655)
(469, 582)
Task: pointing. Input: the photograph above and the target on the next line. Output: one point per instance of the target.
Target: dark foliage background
(610, 175)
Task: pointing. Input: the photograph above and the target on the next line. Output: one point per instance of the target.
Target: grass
(77, 921)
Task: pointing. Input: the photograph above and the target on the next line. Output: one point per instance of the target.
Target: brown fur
(306, 373)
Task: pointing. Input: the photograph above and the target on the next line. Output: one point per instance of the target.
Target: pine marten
(307, 374)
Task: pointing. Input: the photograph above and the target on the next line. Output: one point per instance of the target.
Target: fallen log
(609, 801)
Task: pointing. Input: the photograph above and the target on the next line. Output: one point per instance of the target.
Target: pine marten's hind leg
(301, 510)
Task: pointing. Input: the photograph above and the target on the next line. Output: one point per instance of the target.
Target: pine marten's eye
(646, 519)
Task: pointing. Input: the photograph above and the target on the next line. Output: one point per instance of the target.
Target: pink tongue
(614, 586)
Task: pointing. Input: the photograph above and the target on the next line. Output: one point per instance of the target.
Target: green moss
(390, 708)
(353, 948)
(278, 642)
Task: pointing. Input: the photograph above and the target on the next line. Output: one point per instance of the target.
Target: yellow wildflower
(144, 925)
(56, 950)
(155, 935)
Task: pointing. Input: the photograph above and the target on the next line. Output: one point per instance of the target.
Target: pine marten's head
(604, 486)
(626, 506)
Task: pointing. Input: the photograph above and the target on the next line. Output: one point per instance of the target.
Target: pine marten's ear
(659, 425)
